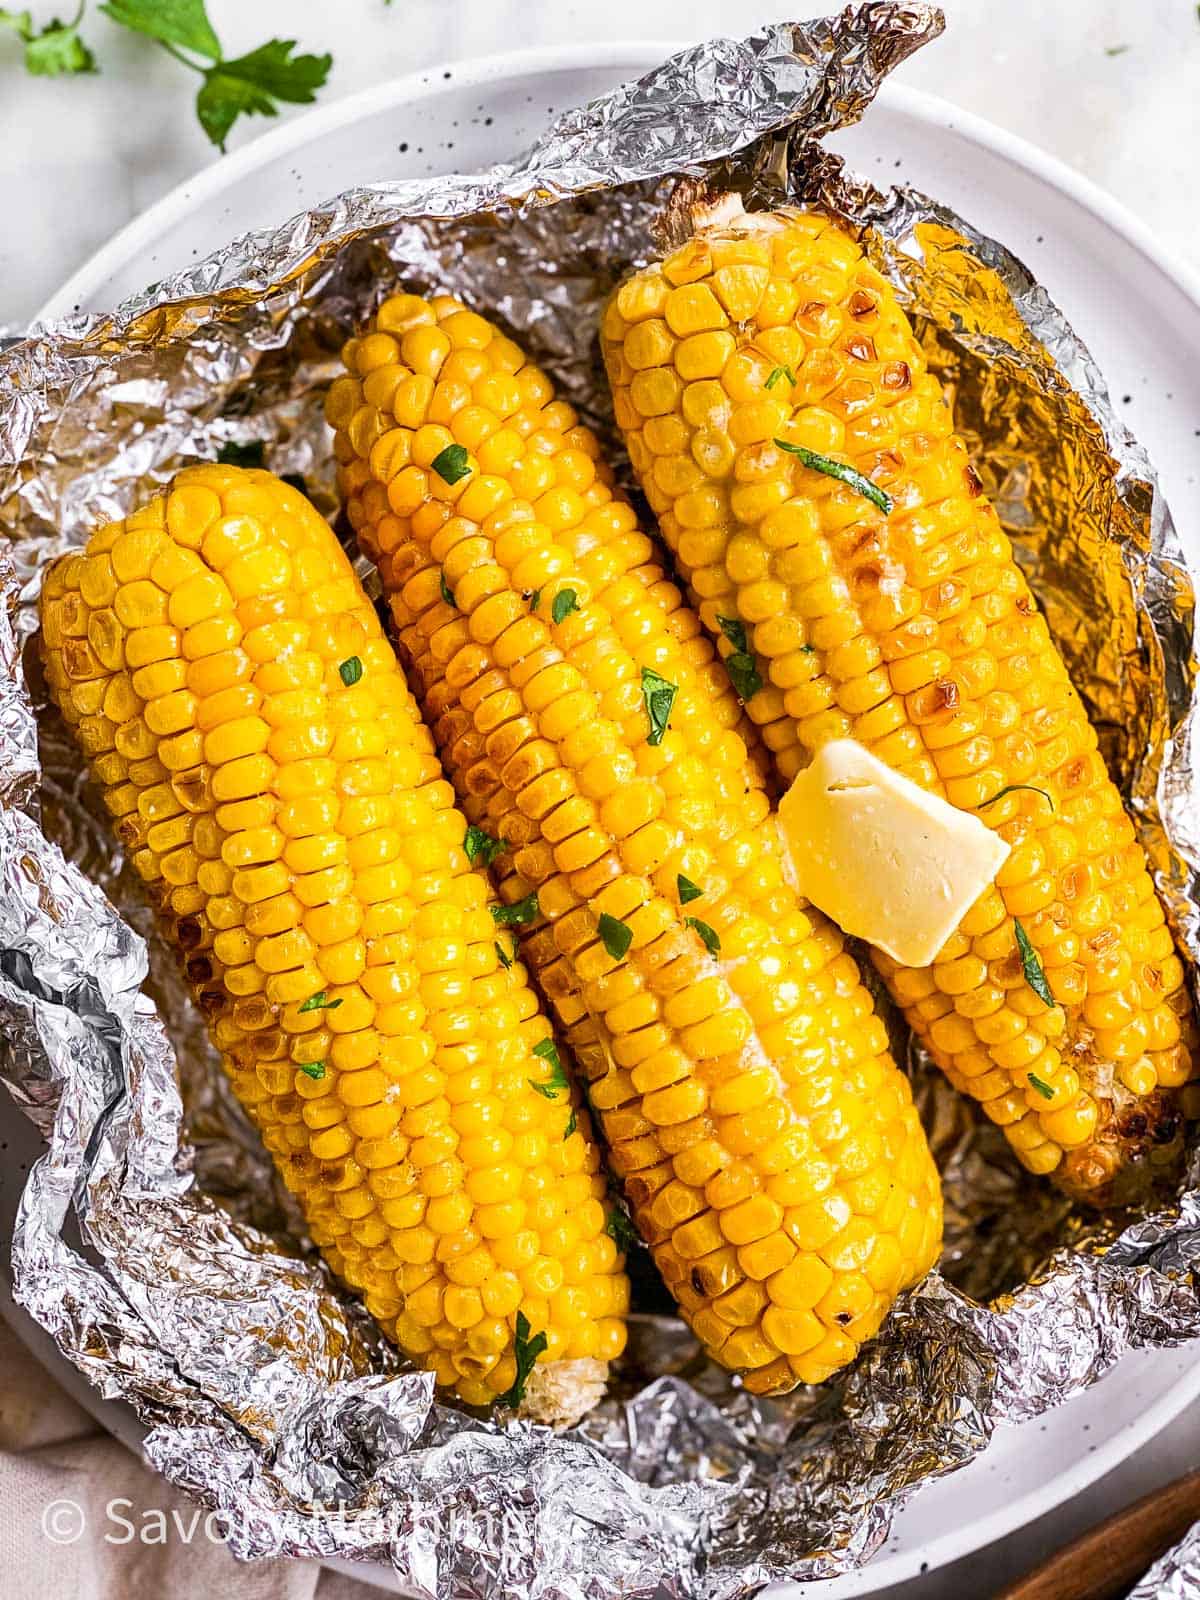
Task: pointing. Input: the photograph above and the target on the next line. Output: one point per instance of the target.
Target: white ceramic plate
(1139, 312)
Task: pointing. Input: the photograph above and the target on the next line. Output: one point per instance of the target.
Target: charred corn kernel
(338, 1029)
(733, 1025)
(901, 620)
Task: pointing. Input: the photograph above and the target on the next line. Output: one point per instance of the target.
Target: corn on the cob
(267, 769)
(767, 1145)
(889, 609)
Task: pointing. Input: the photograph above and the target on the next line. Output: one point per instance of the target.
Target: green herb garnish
(452, 463)
(687, 890)
(709, 936)
(447, 592)
(659, 695)
(1116, 49)
(565, 601)
(1035, 975)
(318, 1002)
(504, 959)
(620, 1229)
(535, 599)
(52, 51)
(313, 1069)
(251, 454)
(741, 665)
(1044, 1089)
(1012, 788)
(616, 935)
(246, 85)
(558, 1078)
(526, 1350)
(839, 470)
(481, 848)
(350, 671)
(518, 914)
(572, 1124)
(777, 376)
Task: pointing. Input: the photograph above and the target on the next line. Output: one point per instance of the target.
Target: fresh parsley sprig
(249, 85)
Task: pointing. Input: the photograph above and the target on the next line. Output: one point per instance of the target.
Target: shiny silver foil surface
(151, 1241)
(1175, 1576)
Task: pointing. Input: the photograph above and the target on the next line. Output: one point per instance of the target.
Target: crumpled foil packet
(1176, 1575)
(266, 1392)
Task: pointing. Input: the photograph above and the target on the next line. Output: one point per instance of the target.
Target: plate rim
(922, 107)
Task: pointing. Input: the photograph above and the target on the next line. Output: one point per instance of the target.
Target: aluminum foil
(150, 1242)
(1175, 1576)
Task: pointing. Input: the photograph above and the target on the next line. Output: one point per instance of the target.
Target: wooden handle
(1105, 1562)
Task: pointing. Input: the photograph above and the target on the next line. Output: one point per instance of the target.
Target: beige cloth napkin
(61, 1477)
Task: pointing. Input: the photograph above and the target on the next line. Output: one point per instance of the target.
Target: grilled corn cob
(768, 1147)
(266, 767)
(750, 370)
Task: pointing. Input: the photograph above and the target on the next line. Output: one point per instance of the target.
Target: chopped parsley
(572, 1124)
(1044, 1089)
(448, 592)
(1012, 788)
(620, 1229)
(481, 848)
(526, 1351)
(839, 470)
(557, 1079)
(350, 671)
(503, 957)
(1035, 975)
(313, 1069)
(318, 1002)
(709, 936)
(741, 665)
(659, 695)
(616, 935)
(518, 914)
(535, 599)
(565, 601)
(777, 376)
(452, 463)
(687, 890)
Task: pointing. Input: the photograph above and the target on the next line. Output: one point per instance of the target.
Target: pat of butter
(885, 860)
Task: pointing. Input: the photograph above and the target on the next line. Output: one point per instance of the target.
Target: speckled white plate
(1139, 312)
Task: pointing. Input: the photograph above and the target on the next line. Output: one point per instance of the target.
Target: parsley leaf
(557, 1079)
(527, 1351)
(172, 22)
(518, 914)
(777, 376)
(615, 935)
(1044, 1089)
(620, 1229)
(318, 1002)
(313, 1069)
(688, 891)
(503, 957)
(448, 593)
(235, 454)
(451, 464)
(565, 601)
(659, 695)
(535, 599)
(1012, 788)
(572, 1124)
(53, 51)
(481, 848)
(709, 936)
(251, 84)
(350, 671)
(735, 631)
(1035, 975)
(839, 470)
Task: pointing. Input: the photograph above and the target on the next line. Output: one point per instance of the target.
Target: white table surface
(80, 158)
